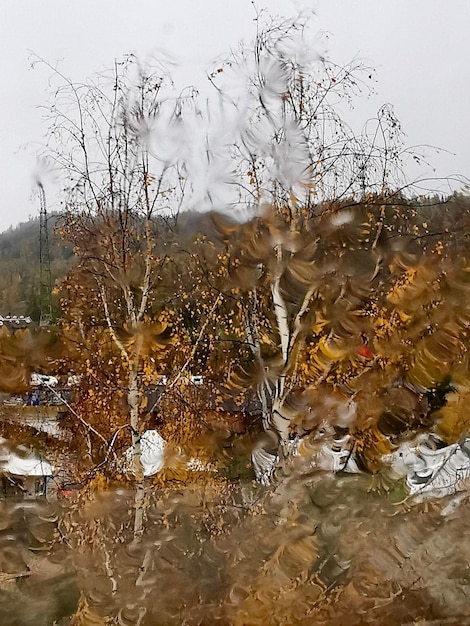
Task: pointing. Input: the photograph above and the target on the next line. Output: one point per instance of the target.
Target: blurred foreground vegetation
(317, 549)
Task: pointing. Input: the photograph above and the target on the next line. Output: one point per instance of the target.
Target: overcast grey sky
(421, 49)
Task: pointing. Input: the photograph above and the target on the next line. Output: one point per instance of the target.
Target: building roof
(13, 322)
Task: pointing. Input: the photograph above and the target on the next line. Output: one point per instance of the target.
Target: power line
(45, 278)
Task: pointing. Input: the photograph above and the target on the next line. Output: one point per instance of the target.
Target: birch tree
(108, 138)
(298, 160)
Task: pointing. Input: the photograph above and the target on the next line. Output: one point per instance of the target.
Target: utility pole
(45, 292)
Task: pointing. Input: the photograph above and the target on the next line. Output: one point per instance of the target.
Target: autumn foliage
(335, 311)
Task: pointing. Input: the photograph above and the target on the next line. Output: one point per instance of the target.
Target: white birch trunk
(133, 400)
(278, 422)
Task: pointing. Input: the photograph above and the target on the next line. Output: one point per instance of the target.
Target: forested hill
(19, 258)
(19, 246)
(19, 265)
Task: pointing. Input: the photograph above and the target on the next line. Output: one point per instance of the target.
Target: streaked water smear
(344, 549)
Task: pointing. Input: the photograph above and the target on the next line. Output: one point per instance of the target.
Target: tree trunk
(133, 400)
